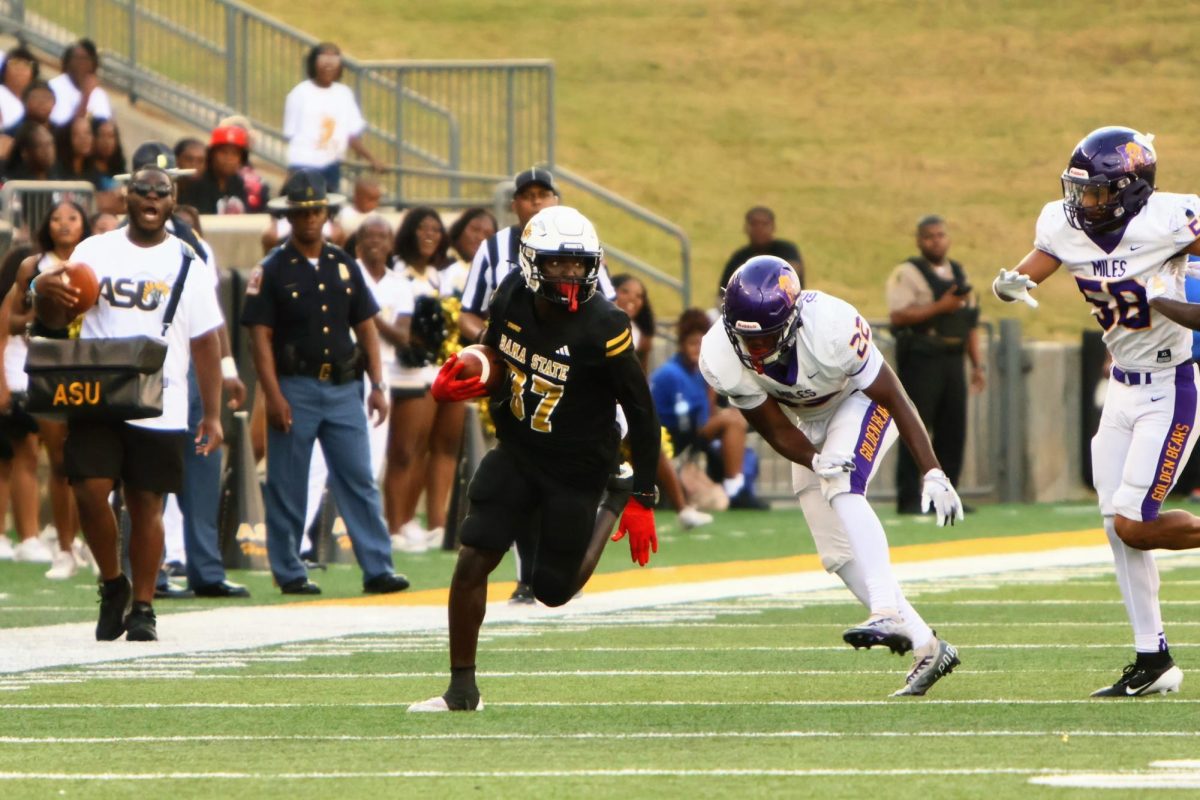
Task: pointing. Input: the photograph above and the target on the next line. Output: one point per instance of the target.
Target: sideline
(227, 629)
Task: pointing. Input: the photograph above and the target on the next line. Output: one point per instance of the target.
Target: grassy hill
(851, 119)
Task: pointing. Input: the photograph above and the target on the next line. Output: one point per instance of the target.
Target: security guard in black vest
(933, 315)
(302, 302)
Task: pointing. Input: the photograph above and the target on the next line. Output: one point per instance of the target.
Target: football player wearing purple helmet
(801, 367)
(1118, 236)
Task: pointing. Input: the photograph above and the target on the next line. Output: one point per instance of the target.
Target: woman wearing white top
(321, 118)
(19, 70)
(424, 435)
(77, 91)
(64, 227)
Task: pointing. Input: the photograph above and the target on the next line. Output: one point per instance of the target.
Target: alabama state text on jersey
(566, 373)
(1113, 277)
(833, 357)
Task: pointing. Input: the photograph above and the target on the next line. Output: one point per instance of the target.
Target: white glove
(1157, 287)
(1012, 285)
(832, 465)
(940, 495)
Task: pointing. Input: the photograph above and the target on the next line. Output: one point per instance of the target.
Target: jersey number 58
(1117, 302)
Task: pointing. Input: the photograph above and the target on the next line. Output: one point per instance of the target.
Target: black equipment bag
(102, 379)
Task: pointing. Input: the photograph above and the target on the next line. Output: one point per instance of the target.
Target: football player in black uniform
(570, 360)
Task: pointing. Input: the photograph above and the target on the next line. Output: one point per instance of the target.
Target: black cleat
(115, 596)
(1136, 681)
(879, 631)
(522, 596)
(300, 586)
(141, 624)
(222, 589)
(387, 583)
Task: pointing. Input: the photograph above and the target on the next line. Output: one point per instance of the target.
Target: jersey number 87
(551, 393)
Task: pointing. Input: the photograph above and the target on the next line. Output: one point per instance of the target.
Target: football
(82, 277)
(484, 362)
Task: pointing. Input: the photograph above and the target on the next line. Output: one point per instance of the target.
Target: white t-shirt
(67, 97)
(1114, 283)
(833, 357)
(135, 287)
(12, 110)
(452, 280)
(393, 295)
(319, 123)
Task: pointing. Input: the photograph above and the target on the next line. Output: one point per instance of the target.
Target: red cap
(230, 134)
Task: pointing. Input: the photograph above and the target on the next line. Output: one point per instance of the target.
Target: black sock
(115, 582)
(1154, 660)
(463, 694)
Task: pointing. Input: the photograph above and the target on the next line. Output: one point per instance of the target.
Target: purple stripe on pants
(1171, 455)
(870, 437)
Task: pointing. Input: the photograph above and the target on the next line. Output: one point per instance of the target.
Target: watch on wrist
(647, 499)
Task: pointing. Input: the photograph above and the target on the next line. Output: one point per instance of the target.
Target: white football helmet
(561, 231)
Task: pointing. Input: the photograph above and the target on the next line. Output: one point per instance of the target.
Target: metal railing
(26, 204)
(201, 60)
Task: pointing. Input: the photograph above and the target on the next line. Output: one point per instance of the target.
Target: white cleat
(692, 517)
(63, 567)
(436, 705)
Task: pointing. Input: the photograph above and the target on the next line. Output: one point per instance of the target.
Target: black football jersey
(567, 371)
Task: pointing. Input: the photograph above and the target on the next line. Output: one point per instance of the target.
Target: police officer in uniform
(933, 313)
(302, 302)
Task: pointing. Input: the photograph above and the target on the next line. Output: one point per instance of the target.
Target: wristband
(228, 368)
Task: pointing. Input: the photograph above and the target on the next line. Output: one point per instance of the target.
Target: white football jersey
(833, 357)
(1115, 282)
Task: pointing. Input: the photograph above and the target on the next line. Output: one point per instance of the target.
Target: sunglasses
(143, 189)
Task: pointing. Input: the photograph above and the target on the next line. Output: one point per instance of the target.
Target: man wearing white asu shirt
(137, 267)
(1116, 235)
(802, 369)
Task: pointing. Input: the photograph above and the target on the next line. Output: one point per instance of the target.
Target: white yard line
(229, 629)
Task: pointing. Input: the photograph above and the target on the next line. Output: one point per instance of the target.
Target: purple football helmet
(1109, 179)
(760, 312)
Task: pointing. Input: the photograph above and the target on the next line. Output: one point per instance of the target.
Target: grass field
(747, 696)
(851, 119)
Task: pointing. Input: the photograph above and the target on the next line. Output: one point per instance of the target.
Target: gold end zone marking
(697, 573)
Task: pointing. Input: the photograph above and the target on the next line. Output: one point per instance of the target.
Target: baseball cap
(154, 154)
(230, 134)
(535, 175)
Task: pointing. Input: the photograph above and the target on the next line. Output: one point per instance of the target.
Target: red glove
(447, 388)
(638, 521)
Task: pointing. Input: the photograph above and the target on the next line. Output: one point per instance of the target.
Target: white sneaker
(410, 539)
(49, 534)
(6, 548)
(933, 661)
(435, 705)
(435, 536)
(692, 517)
(64, 566)
(34, 551)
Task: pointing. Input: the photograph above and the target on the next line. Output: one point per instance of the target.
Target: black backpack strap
(177, 289)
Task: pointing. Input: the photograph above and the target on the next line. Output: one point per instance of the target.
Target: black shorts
(511, 499)
(15, 426)
(141, 458)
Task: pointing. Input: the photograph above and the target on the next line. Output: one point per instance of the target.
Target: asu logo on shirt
(143, 294)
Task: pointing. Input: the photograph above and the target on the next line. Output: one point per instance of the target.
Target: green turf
(736, 535)
(716, 677)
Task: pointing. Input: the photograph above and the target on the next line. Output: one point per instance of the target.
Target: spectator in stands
(33, 155)
(934, 312)
(258, 192)
(472, 228)
(688, 410)
(190, 153)
(321, 118)
(19, 70)
(63, 229)
(219, 189)
(39, 102)
(364, 201)
(760, 230)
(75, 146)
(108, 156)
(417, 440)
(77, 91)
(103, 222)
(631, 298)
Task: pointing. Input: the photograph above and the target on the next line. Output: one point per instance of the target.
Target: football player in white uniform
(802, 369)
(1115, 234)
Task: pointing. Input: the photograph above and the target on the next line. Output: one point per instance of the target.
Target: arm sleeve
(258, 306)
(203, 310)
(355, 124)
(98, 104)
(1043, 236)
(633, 393)
(291, 114)
(721, 369)
(1185, 221)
